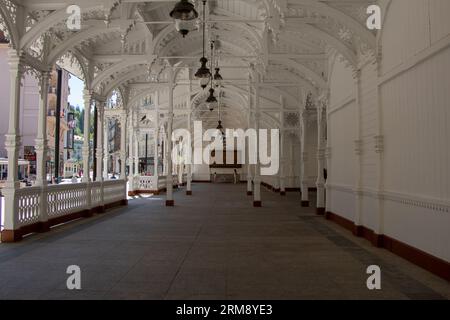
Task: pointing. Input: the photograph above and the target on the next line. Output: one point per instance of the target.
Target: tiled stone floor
(213, 245)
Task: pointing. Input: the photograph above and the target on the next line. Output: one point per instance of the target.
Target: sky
(76, 91)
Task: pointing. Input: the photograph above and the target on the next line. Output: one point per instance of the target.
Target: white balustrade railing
(114, 191)
(152, 183)
(28, 200)
(2, 211)
(96, 194)
(147, 183)
(161, 182)
(65, 199)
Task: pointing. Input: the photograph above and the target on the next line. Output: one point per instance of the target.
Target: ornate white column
(132, 170)
(12, 144)
(156, 157)
(379, 151)
(304, 157)
(189, 144)
(100, 151)
(189, 165)
(329, 171)
(359, 166)
(123, 145)
(157, 141)
(42, 149)
(257, 179)
(320, 183)
(41, 138)
(105, 146)
(164, 151)
(249, 120)
(100, 137)
(86, 146)
(169, 179)
(136, 136)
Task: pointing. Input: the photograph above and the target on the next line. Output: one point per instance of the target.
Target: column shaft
(123, 145)
(304, 158)
(249, 166)
(42, 149)
(12, 144)
(169, 179)
(320, 207)
(100, 137)
(131, 172)
(86, 144)
(257, 179)
(105, 147)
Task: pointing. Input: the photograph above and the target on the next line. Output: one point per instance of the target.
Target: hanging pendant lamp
(184, 10)
(203, 71)
(218, 78)
(211, 98)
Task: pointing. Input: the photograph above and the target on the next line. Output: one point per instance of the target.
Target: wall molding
(419, 58)
(405, 199)
(417, 201)
(424, 260)
(342, 104)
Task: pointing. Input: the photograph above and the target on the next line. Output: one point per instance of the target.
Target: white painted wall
(416, 124)
(342, 132)
(414, 120)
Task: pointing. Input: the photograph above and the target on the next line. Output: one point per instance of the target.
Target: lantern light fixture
(184, 10)
(203, 72)
(218, 77)
(211, 98)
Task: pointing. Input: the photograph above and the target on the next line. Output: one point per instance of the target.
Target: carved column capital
(12, 141)
(41, 144)
(321, 154)
(358, 147)
(328, 153)
(379, 144)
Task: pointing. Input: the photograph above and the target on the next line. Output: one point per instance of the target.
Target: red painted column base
(170, 203)
(9, 236)
(257, 204)
(320, 211)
